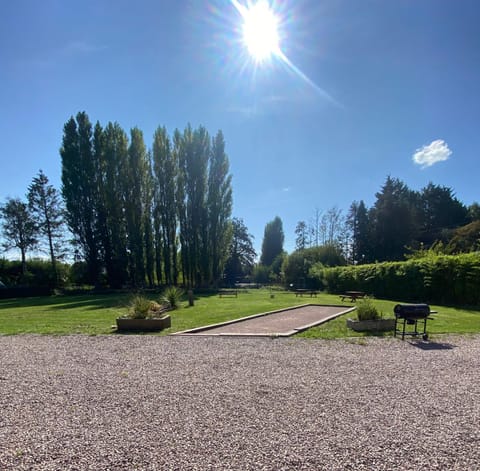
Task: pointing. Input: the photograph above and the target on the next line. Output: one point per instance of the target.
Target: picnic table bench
(228, 292)
(352, 295)
(301, 292)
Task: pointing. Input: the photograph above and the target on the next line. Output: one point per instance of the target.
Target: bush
(366, 311)
(172, 297)
(436, 279)
(39, 274)
(141, 307)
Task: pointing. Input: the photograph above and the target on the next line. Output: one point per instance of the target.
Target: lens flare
(260, 31)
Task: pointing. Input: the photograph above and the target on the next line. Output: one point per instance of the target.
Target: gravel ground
(153, 403)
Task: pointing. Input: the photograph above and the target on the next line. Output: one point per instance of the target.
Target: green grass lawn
(96, 314)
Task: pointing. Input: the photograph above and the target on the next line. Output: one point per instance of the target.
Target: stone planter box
(380, 325)
(144, 325)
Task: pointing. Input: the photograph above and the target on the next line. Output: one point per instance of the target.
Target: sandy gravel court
(281, 323)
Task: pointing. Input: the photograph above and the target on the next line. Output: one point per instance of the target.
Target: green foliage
(299, 264)
(45, 206)
(443, 279)
(165, 171)
(139, 307)
(301, 231)
(261, 275)
(272, 244)
(367, 311)
(219, 207)
(19, 229)
(80, 190)
(129, 219)
(400, 218)
(465, 239)
(172, 297)
(40, 273)
(241, 254)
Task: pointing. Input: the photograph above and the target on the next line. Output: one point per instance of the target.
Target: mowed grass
(95, 314)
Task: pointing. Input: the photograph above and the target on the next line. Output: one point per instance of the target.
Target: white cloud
(437, 151)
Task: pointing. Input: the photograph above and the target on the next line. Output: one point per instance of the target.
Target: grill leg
(403, 333)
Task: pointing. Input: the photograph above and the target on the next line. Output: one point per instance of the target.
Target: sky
(356, 91)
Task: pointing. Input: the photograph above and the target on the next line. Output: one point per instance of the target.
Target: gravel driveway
(154, 403)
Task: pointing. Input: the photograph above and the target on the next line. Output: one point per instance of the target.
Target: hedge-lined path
(281, 323)
(194, 403)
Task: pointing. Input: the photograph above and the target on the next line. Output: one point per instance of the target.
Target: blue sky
(382, 81)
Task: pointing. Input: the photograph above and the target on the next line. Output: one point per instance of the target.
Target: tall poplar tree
(111, 145)
(219, 205)
(165, 169)
(148, 238)
(79, 189)
(193, 155)
(136, 181)
(272, 244)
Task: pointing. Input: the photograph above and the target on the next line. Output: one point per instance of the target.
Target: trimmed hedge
(439, 279)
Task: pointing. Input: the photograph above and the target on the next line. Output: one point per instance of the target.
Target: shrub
(172, 297)
(366, 310)
(436, 279)
(139, 307)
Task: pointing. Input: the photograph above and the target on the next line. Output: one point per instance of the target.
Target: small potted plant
(369, 318)
(144, 315)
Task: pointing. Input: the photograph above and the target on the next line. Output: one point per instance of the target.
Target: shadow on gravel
(423, 345)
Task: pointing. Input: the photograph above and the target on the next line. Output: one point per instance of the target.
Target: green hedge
(439, 279)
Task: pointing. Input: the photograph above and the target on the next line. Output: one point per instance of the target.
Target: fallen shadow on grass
(71, 302)
(425, 345)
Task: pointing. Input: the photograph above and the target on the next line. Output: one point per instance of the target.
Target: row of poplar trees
(147, 216)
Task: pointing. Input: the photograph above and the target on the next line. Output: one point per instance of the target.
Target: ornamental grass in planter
(369, 318)
(144, 315)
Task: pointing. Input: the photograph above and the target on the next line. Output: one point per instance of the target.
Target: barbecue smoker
(411, 315)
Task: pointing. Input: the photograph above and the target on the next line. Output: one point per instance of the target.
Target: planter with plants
(369, 319)
(144, 315)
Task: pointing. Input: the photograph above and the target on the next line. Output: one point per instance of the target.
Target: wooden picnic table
(352, 295)
(228, 292)
(301, 292)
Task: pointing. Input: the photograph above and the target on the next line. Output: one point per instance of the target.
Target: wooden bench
(352, 295)
(301, 292)
(228, 292)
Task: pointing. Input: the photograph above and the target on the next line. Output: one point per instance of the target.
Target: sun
(260, 31)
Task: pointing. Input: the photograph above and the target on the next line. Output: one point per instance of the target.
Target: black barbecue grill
(411, 315)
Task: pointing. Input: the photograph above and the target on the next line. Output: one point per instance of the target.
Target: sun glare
(260, 31)
(263, 23)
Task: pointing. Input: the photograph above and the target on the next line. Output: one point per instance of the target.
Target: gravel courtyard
(154, 403)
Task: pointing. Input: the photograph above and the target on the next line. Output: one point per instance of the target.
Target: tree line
(402, 221)
(147, 216)
(142, 216)
(36, 223)
(401, 224)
